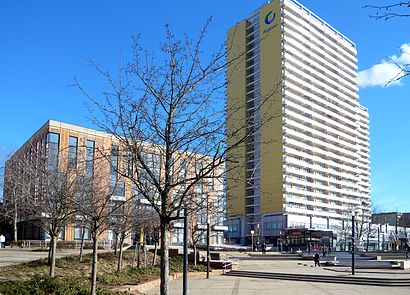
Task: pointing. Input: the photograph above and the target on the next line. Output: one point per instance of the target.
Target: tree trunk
(15, 237)
(53, 246)
(94, 264)
(145, 254)
(139, 256)
(82, 244)
(134, 255)
(368, 238)
(194, 248)
(115, 244)
(164, 263)
(119, 267)
(154, 259)
(50, 250)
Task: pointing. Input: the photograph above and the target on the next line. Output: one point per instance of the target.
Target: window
(177, 236)
(89, 157)
(181, 174)
(201, 217)
(117, 207)
(218, 211)
(199, 186)
(211, 181)
(198, 171)
(52, 148)
(117, 188)
(153, 162)
(72, 152)
(114, 163)
(129, 163)
(78, 229)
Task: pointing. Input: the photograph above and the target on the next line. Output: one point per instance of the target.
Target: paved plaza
(227, 285)
(10, 256)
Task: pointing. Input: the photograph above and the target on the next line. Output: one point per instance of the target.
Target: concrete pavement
(10, 256)
(221, 285)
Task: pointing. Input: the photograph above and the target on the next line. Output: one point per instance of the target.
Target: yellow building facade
(292, 91)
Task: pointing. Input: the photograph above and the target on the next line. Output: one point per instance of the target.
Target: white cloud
(386, 71)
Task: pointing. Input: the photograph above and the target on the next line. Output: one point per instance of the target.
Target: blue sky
(45, 44)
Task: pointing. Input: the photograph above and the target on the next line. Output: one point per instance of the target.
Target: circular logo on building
(270, 18)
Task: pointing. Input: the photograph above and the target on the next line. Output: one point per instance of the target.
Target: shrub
(45, 285)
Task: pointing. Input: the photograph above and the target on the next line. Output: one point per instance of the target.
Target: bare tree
(120, 223)
(85, 225)
(386, 12)
(399, 9)
(197, 233)
(153, 231)
(52, 202)
(95, 203)
(40, 191)
(15, 189)
(169, 114)
(405, 224)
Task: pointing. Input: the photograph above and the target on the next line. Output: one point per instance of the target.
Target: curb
(386, 282)
(142, 288)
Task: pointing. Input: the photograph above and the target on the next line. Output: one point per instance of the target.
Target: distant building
(65, 144)
(293, 80)
(390, 231)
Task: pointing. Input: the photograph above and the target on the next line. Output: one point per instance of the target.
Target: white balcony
(316, 150)
(346, 138)
(330, 146)
(295, 40)
(294, 10)
(294, 83)
(318, 111)
(346, 50)
(335, 90)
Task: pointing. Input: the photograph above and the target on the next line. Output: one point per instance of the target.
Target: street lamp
(353, 242)
(258, 234)
(185, 268)
(252, 233)
(208, 234)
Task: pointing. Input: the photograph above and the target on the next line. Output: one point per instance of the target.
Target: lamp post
(353, 243)
(185, 269)
(258, 234)
(208, 245)
(252, 233)
(378, 238)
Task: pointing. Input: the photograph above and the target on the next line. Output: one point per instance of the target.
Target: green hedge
(46, 285)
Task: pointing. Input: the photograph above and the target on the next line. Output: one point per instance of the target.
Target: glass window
(78, 231)
(153, 161)
(72, 152)
(114, 163)
(211, 181)
(129, 163)
(181, 173)
(117, 207)
(117, 188)
(52, 148)
(89, 164)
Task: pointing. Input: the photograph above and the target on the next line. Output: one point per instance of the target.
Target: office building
(80, 151)
(292, 78)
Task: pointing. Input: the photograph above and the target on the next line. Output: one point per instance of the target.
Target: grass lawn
(72, 276)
